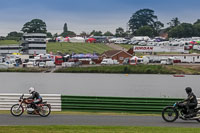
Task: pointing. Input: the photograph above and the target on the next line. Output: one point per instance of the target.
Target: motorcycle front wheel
(44, 110)
(169, 114)
(17, 110)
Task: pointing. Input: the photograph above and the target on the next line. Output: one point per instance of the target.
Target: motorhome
(139, 60)
(109, 62)
(167, 61)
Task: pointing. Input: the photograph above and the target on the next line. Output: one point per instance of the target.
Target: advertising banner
(158, 48)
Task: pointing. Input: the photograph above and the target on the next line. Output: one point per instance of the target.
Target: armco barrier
(7, 100)
(116, 104)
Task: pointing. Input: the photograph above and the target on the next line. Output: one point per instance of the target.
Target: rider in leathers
(191, 100)
(35, 96)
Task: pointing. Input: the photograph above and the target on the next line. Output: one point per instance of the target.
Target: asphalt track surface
(98, 120)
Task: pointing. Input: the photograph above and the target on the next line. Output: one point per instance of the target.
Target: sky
(88, 15)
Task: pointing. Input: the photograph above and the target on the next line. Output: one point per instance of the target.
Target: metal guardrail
(8, 99)
(117, 104)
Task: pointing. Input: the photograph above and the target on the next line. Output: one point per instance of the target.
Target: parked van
(166, 61)
(68, 64)
(109, 62)
(50, 64)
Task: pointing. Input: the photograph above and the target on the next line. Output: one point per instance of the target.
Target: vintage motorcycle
(171, 113)
(43, 110)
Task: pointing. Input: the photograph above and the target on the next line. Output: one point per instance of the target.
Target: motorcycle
(43, 109)
(171, 113)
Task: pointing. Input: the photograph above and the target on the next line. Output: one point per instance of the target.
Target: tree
(83, 34)
(120, 32)
(35, 26)
(55, 35)
(14, 35)
(174, 22)
(49, 35)
(198, 21)
(67, 33)
(96, 33)
(183, 30)
(196, 28)
(65, 29)
(108, 33)
(144, 17)
(145, 31)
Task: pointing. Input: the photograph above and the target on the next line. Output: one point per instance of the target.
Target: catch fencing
(7, 100)
(116, 104)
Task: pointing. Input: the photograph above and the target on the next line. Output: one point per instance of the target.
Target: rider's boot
(190, 114)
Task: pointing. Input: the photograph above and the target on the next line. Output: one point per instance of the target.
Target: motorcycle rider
(35, 96)
(190, 102)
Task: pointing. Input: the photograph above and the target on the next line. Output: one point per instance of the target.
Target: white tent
(77, 39)
(140, 38)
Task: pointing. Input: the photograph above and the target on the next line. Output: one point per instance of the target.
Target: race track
(100, 120)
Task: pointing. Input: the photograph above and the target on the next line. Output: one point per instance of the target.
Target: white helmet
(31, 90)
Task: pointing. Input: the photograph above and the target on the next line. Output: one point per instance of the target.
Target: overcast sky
(88, 15)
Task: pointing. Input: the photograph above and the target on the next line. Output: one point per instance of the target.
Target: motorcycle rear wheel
(44, 110)
(169, 114)
(17, 110)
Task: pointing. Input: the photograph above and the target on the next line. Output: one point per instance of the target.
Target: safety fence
(96, 103)
(116, 104)
(7, 100)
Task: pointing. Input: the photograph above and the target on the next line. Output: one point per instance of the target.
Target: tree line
(143, 22)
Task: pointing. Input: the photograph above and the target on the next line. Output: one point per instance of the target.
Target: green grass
(138, 69)
(9, 42)
(23, 70)
(190, 70)
(126, 46)
(65, 47)
(95, 129)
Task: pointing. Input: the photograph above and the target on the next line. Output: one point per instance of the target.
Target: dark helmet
(188, 90)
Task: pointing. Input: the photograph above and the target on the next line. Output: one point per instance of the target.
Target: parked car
(42, 64)
(68, 64)
(3, 65)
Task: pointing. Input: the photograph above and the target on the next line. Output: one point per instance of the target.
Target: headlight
(20, 100)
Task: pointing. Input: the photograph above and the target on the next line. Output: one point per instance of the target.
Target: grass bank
(9, 42)
(23, 70)
(65, 47)
(95, 129)
(138, 69)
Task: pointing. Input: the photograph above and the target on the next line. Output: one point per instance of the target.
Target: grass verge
(95, 129)
(9, 42)
(23, 70)
(138, 69)
(92, 113)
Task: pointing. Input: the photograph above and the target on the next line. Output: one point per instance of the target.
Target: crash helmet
(188, 90)
(31, 90)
